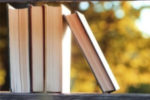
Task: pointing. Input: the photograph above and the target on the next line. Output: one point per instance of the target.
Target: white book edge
(66, 53)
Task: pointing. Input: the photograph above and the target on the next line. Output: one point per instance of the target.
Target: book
(92, 52)
(37, 48)
(19, 49)
(57, 50)
(14, 49)
(66, 52)
(53, 54)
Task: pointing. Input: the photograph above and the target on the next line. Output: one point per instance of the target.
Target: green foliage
(141, 88)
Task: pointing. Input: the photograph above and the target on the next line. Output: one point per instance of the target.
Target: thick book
(37, 48)
(92, 52)
(57, 50)
(19, 49)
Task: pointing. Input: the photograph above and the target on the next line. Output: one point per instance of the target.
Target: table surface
(57, 96)
(31, 1)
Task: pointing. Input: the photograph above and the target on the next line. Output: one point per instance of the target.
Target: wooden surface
(31, 1)
(41, 96)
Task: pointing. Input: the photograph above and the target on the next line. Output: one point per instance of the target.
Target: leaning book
(92, 52)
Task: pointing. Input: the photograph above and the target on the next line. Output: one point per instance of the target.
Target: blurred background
(122, 29)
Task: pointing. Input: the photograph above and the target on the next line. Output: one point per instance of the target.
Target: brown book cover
(19, 49)
(37, 48)
(92, 52)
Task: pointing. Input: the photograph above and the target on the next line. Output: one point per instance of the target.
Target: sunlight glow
(84, 6)
(119, 13)
(143, 23)
(98, 8)
(139, 4)
(108, 5)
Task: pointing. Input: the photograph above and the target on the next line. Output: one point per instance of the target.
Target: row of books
(40, 49)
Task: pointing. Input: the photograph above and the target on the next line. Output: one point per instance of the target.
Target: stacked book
(40, 49)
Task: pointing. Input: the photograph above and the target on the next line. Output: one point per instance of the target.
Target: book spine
(24, 49)
(53, 48)
(14, 49)
(37, 48)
